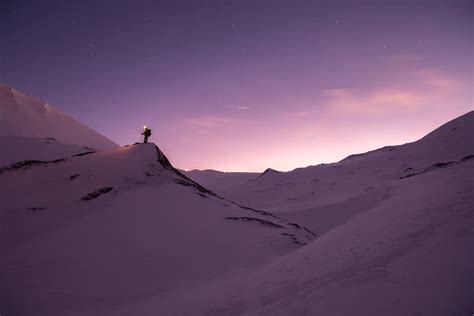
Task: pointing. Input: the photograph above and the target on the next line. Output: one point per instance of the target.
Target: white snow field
(111, 227)
(25, 116)
(122, 232)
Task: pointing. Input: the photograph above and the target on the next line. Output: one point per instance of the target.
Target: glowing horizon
(245, 86)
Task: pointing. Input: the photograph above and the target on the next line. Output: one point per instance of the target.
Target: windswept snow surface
(25, 116)
(396, 234)
(219, 179)
(112, 227)
(324, 196)
(16, 149)
(121, 232)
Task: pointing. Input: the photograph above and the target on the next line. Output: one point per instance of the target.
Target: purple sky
(246, 85)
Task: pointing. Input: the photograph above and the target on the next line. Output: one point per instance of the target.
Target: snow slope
(397, 238)
(326, 195)
(25, 148)
(410, 255)
(105, 228)
(220, 180)
(25, 116)
(121, 232)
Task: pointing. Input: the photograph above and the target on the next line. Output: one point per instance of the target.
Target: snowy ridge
(122, 232)
(25, 116)
(98, 215)
(396, 228)
(366, 176)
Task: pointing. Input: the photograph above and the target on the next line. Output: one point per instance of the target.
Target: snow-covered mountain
(97, 229)
(326, 195)
(25, 116)
(122, 232)
(396, 233)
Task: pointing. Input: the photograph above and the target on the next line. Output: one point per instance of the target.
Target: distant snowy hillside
(122, 232)
(25, 116)
(396, 237)
(99, 229)
(221, 180)
(326, 195)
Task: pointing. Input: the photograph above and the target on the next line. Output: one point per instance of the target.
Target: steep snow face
(23, 148)
(100, 229)
(25, 116)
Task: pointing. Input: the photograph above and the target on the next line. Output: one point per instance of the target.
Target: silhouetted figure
(146, 133)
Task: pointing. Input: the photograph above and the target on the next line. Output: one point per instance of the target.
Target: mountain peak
(24, 116)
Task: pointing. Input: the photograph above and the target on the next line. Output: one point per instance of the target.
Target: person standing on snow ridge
(146, 133)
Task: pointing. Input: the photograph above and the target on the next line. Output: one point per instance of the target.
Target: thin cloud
(423, 87)
(379, 101)
(240, 107)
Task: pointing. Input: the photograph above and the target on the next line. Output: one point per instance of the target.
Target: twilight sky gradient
(246, 85)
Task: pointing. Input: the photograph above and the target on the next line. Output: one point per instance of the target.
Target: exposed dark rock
(165, 163)
(294, 224)
(467, 158)
(264, 213)
(308, 231)
(35, 209)
(409, 175)
(293, 238)
(443, 164)
(29, 163)
(254, 219)
(74, 176)
(97, 193)
(84, 153)
(299, 227)
(369, 188)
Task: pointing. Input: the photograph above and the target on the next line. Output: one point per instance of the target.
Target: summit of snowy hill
(121, 225)
(458, 129)
(25, 116)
